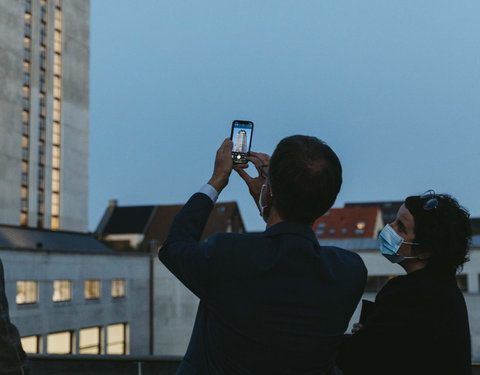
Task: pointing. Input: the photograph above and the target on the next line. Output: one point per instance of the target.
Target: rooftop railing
(116, 365)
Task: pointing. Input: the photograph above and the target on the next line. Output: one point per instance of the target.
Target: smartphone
(242, 132)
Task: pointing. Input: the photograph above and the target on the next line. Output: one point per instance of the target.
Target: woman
(419, 322)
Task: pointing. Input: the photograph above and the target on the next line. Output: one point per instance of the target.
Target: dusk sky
(392, 86)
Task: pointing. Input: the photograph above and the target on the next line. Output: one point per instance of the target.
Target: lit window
(118, 288)
(117, 342)
(23, 218)
(57, 41)
(58, 20)
(62, 290)
(57, 66)
(27, 292)
(59, 343)
(55, 198)
(360, 227)
(92, 289)
(55, 223)
(31, 344)
(89, 341)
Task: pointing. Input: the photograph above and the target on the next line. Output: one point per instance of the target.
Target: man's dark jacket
(418, 325)
(276, 303)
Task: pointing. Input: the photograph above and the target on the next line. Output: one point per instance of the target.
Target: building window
(89, 341)
(31, 344)
(62, 290)
(375, 283)
(320, 230)
(43, 59)
(360, 227)
(27, 292)
(117, 341)
(344, 230)
(43, 13)
(59, 343)
(92, 289)
(331, 231)
(462, 282)
(118, 288)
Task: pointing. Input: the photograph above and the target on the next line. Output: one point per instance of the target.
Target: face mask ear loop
(411, 243)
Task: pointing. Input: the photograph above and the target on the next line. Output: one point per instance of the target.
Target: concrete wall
(75, 116)
(47, 316)
(174, 309)
(11, 73)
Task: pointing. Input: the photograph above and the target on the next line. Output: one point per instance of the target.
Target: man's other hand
(223, 166)
(254, 183)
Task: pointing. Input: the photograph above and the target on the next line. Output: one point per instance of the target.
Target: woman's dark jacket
(418, 325)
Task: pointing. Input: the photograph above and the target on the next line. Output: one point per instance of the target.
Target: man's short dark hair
(305, 177)
(444, 230)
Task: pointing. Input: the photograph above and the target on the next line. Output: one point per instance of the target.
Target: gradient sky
(392, 86)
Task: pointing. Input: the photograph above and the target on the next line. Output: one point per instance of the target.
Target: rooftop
(12, 237)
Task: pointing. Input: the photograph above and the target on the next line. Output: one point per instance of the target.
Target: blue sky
(392, 86)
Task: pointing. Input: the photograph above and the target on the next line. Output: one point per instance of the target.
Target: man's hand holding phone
(261, 162)
(223, 166)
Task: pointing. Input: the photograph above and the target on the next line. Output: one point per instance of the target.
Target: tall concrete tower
(44, 113)
(241, 142)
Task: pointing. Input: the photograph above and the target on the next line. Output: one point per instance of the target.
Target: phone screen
(241, 136)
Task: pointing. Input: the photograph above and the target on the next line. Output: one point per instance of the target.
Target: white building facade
(78, 300)
(44, 113)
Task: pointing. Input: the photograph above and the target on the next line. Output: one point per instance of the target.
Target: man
(13, 360)
(276, 303)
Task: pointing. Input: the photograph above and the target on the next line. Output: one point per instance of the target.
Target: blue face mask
(390, 242)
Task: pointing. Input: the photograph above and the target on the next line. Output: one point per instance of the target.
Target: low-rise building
(349, 222)
(70, 294)
(146, 228)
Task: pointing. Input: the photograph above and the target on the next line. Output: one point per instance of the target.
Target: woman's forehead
(405, 215)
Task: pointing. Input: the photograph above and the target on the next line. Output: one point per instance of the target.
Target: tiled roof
(223, 215)
(154, 221)
(129, 219)
(348, 222)
(27, 238)
(389, 208)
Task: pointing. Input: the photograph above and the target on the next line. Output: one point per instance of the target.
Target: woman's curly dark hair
(445, 230)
